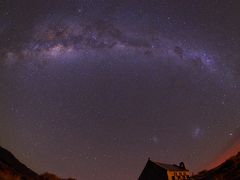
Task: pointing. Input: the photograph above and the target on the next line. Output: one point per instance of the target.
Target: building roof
(170, 167)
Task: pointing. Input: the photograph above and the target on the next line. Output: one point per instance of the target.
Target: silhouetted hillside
(12, 169)
(229, 170)
(9, 165)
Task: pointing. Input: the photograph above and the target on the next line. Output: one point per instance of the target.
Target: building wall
(178, 175)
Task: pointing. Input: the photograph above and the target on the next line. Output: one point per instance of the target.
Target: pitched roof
(170, 167)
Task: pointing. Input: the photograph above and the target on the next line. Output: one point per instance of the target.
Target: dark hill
(229, 170)
(9, 164)
(12, 169)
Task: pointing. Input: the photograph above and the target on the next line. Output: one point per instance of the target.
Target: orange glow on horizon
(233, 150)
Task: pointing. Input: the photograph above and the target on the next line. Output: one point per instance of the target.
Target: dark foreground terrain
(12, 169)
(229, 170)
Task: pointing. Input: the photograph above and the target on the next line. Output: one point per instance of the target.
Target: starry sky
(92, 88)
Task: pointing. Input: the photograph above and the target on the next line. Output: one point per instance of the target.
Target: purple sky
(91, 89)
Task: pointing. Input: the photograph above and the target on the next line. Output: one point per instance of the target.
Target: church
(160, 171)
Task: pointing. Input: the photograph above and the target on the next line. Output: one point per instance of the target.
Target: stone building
(160, 171)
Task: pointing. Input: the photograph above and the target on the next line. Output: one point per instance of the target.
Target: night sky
(91, 89)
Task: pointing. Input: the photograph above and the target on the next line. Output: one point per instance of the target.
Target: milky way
(58, 37)
(91, 89)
